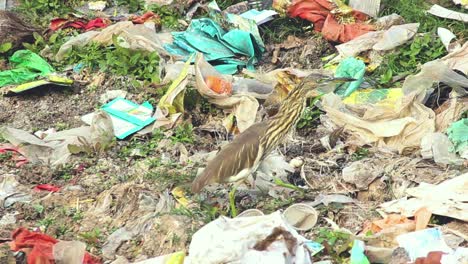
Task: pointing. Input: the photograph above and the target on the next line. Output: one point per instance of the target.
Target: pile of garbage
(109, 113)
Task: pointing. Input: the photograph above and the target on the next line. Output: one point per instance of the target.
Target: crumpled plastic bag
(434, 72)
(399, 128)
(325, 16)
(131, 36)
(457, 59)
(243, 107)
(218, 46)
(382, 40)
(458, 134)
(43, 247)
(233, 241)
(351, 68)
(28, 66)
(54, 149)
(438, 147)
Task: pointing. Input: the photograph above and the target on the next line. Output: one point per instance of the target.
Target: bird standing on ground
(241, 157)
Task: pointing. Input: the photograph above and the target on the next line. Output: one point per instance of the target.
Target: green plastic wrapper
(27, 66)
(458, 134)
(219, 47)
(351, 68)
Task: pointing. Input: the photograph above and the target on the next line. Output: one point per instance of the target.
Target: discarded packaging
(379, 40)
(420, 243)
(260, 17)
(450, 200)
(440, 11)
(437, 146)
(250, 212)
(350, 68)
(127, 117)
(249, 240)
(218, 46)
(357, 253)
(242, 106)
(27, 67)
(301, 216)
(54, 149)
(446, 36)
(369, 7)
(43, 248)
(322, 14)
(458, 135)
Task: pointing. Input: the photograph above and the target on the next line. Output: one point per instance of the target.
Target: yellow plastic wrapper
(381, 97)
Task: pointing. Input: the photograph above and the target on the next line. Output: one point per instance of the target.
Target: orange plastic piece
(319, 12)
(218, 85)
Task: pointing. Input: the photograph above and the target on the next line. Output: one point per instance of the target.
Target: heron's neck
(287, 117)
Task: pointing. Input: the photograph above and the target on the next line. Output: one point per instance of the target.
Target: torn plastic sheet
(142, 36)
(234, 240)
(440, 11)
(438, 147)
(27, 66)
(400, 127)
(382, 40)
(451, 199)
(420, 243)
(446, 36)
(12, 192)
(54, 148)
(434, 72)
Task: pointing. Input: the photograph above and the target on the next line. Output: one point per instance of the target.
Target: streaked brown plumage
(242, 156)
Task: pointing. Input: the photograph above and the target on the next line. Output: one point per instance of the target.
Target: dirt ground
(120, 202)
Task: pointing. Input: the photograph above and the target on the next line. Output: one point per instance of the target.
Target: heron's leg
(232, 199)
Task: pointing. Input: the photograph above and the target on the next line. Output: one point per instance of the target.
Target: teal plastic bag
(28, 66)
(218, 46)
(357, 253)
(351, 68)
(458, 134)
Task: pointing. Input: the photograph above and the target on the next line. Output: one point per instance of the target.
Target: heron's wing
(238, 155)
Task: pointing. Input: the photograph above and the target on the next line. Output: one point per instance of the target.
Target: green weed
(335, 242)
(144, 148)
(92, 237)
(310, 116)
(360, 154)
(54, 41)
(414, 11)
(133, 5)
(139, 64)
(409, 57)
(183, 134)
(40, 12)
(46, 222)
(169, 16)
(280, 28)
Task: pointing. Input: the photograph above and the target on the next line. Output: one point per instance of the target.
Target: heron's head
(315, 84)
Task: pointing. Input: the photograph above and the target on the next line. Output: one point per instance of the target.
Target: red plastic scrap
(39, 247)
(77, 23)
(145, 18)
(17, 156)
(433, 257)
(47, 187)
(319, 12)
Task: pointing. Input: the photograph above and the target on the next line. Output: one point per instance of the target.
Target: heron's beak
(341, 79)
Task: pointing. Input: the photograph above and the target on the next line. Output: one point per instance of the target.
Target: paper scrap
(440, 11)
(260, 17)
(127, 117)
(370, 7)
